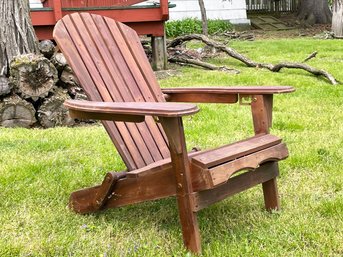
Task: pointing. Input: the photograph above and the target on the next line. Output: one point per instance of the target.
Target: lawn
(39, 168)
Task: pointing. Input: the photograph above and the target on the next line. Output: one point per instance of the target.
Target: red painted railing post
(57, 7)
(164, 9)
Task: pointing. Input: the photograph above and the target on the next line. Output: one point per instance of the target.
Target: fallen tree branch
(313, 55)
(183, 60)
(305, 67)
(248, 62)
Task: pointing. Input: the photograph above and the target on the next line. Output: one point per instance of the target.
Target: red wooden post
(164, 9)
(57, 7)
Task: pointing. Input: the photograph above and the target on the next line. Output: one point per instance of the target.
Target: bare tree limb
(250, 63)
(313, 55)
(184, 60)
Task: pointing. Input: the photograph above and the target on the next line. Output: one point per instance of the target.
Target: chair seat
(214, 167)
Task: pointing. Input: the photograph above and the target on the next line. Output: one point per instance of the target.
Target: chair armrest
(127, 111)
(220, 94)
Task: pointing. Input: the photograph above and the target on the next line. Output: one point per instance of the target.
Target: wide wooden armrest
(127, 111)
(220, 94)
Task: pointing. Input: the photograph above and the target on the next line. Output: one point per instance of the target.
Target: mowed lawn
(40, 168)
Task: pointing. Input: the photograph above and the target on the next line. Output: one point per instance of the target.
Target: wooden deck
(145, 19)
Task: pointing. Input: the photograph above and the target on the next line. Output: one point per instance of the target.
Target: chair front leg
(270, 191)
(188, 219)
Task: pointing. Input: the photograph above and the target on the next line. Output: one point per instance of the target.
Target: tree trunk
(16, 32)
(314, 12)
(203, 17)
(337, 18)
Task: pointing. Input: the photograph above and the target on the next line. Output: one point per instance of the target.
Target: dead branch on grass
(248, 62)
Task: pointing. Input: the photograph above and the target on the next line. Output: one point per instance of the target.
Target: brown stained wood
(125, 68)
(145, 69)
(229, 152)
(133, 42)
(252, 90)
(234, 185)
(270, 190)
(77, 55)
(101, 63)
(94, 198)
(201, 98)
(133, 108)
(220, 174)
(109, 61)
(105, 116)
(261, 108)
(67, 45)
(190, 229)
(117, 83)
(157, 185)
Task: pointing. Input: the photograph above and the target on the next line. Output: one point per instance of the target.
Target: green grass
(39, 169)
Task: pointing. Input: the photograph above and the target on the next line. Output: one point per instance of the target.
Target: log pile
(34, 93)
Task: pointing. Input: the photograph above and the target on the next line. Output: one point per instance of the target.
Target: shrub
(193, 25)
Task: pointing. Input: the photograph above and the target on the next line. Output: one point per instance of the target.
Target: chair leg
(177, 145)
(189, 224)
(270, 192)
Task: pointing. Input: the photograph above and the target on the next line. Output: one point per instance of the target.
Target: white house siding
(232, 10)
(35, 4)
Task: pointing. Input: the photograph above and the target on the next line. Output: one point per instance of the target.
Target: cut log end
(47, 48)
(52, 113)
(33, 76)
(5, 86)
(16, 112)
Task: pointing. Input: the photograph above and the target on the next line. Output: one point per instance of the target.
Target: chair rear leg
(270, 191)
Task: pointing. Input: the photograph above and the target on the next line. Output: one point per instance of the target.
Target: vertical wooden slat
(128, 69)
(102, 77)
(98, 82)
(67, 45)
(126, 89)
(145, 68)
(140, 57)
(115, 60)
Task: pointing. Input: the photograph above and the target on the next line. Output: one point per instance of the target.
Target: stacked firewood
(34, 93)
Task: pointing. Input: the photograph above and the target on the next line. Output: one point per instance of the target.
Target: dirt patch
(297, 30)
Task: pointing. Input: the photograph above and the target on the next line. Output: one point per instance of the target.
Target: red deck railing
(145, 19)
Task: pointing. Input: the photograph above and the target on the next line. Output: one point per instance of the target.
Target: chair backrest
(108, 59)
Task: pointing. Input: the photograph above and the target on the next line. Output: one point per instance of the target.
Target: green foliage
(39, 168)
(193, 25)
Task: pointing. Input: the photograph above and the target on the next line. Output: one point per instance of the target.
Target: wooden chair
(147, 130)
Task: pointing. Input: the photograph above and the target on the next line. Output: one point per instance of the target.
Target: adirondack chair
(145, 124)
